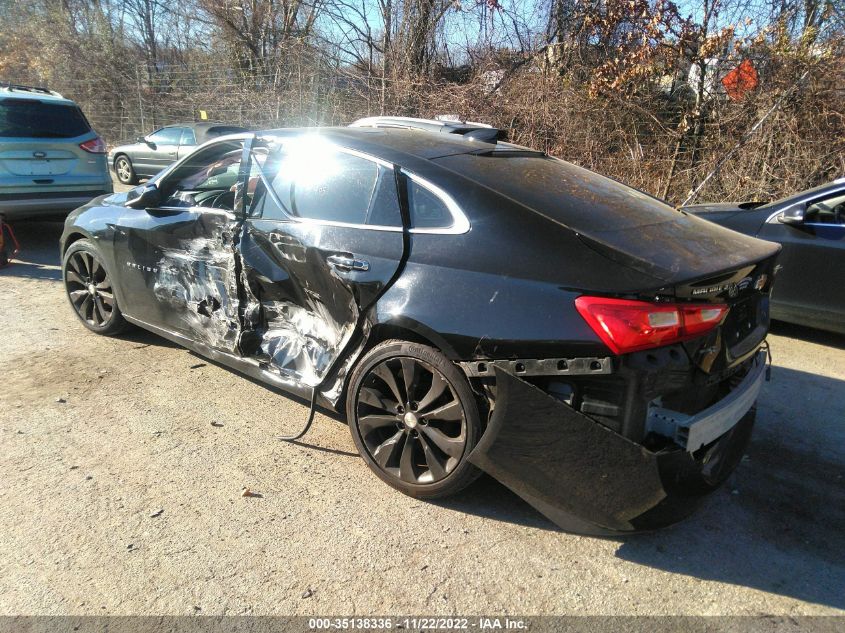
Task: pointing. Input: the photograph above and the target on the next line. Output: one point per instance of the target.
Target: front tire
(414, 419)
(124, 171)
(90, 290)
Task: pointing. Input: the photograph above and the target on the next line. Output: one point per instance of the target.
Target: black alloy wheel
(414, 419)
(89, 289)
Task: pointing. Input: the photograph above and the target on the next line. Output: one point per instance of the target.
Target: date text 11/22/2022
(482, 623)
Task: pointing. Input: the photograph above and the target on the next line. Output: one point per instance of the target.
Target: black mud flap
(581, 475)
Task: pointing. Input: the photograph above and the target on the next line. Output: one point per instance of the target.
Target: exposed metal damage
(288, 328)
(302, 343)
(539, 367)
(205, 281)
(198, 280)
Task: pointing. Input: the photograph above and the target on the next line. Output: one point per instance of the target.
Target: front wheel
(90, 290)
(414, 419)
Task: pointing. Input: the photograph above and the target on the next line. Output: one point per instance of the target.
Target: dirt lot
(98, 435)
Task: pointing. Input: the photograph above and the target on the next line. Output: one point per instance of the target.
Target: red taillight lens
(699, 319)
(94, 146)
(627, 326)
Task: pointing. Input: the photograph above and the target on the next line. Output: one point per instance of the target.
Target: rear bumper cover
(587, 478)
(33, 205)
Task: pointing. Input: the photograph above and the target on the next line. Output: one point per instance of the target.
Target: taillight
(94, 146)
(627, 326)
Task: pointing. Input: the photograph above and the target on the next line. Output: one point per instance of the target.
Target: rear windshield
(222, 130)
(29, 118)
(579, 198)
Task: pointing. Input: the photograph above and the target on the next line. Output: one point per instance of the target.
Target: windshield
(30, 118)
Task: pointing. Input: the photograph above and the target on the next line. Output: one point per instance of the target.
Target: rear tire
(414, 419)
(124, 171)
(90, 290)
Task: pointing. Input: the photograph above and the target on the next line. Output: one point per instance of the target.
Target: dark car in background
(149, 154)
(51, 160)
(810, 226)
(471, 305)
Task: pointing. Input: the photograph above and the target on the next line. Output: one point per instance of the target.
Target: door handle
(342, 262)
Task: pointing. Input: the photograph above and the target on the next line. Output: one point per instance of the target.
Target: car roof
(203, 128)
(396, 143)
(431, 125)
(203, 125)
(30, 93)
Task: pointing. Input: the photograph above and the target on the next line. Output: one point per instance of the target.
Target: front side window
(206, 179)
(827, 211)
(166, 136)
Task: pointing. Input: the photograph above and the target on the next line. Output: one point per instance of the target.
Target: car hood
(118, 198)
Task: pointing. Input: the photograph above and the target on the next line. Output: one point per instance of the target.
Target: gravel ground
(123, 462)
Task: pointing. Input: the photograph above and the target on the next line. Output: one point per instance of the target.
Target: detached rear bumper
(589, 479)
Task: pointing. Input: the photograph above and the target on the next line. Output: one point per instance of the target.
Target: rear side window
(341, 195)
(384, 207)
(427, 210)
(223, 130)
(334, 186)
(30, 118)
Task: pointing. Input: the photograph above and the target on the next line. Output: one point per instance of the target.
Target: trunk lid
(746, 290)
(627, 226)
(39, 157)
(678, 249)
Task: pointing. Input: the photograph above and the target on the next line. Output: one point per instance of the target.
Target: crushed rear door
(311, 264)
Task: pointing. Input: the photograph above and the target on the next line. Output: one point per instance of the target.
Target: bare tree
(257, 30)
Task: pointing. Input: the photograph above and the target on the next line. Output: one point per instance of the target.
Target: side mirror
(140, 139)
(793, 214)
(143, 197)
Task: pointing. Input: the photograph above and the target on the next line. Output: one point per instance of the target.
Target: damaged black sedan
(470, 304)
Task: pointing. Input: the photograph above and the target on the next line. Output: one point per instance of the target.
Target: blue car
(51, 160)
(810, 227)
